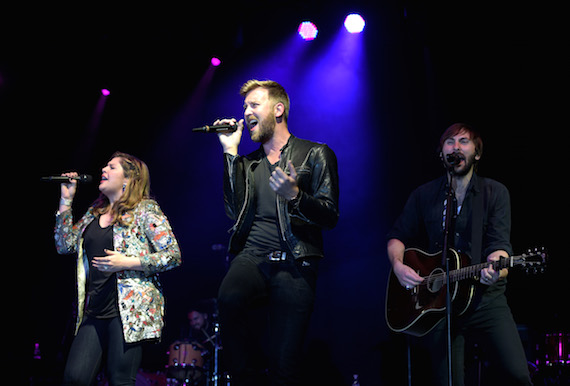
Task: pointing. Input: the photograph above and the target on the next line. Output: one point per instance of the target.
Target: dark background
(381, 103)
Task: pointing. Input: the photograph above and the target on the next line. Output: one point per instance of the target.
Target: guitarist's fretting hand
(488, 275)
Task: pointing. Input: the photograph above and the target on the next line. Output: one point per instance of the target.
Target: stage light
(105, 92)
(308, 30)
(215, 62)
(354, 23)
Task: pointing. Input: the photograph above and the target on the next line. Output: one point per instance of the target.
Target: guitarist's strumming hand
(488, 275)
(406, 275)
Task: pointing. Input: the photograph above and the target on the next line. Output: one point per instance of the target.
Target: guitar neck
(474, 270)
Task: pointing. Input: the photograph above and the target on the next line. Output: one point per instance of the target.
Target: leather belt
(277, 256)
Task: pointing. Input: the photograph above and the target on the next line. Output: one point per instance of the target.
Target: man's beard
(468, 164)
(265, 130)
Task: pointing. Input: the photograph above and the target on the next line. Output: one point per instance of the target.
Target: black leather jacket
(300, 222)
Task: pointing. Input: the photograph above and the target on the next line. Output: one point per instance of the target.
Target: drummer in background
(201, 330)
(201, 327)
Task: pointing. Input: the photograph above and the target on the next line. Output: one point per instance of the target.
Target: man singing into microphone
(481, 229)
(281, 197)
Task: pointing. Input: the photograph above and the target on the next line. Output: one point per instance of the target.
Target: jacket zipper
(233, 228)
(279, 214)
(280, 219)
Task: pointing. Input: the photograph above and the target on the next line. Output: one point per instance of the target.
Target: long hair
(136, 190)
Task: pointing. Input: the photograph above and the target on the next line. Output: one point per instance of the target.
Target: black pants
(96, 338)
(492, 329)
(255, 291)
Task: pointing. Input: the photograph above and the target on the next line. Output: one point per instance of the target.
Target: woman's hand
(115, 262)
(68, 190)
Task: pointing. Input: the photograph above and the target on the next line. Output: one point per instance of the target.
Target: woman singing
(123, 241)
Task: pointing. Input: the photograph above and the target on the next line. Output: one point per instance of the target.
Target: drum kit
(190, 363)
(555, 350)
(552, 363)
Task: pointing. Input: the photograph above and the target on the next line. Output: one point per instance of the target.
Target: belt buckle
(277, 256)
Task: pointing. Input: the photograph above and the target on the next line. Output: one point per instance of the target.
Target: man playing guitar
(481, 230)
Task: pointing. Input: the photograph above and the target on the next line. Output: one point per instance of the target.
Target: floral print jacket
(149, 237)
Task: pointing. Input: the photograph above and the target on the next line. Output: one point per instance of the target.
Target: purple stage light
(215, 62)
(308, 30)
(105, 92)
(354, 23)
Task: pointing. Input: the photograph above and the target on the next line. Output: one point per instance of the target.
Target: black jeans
(265, 306)
(96, 338)
(493, 329)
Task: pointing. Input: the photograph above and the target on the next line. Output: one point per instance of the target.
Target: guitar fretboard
(473, 271)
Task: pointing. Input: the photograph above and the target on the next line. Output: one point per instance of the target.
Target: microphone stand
(215, 340)
(216, 370)
(449, 215)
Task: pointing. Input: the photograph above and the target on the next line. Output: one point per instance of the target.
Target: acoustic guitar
(417, 310)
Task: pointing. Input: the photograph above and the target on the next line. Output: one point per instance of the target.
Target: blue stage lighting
(354, 23)
(308, 30)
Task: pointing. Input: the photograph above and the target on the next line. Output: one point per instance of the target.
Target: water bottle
(355, 381)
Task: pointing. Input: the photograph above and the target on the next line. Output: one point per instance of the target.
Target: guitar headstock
(533, 261)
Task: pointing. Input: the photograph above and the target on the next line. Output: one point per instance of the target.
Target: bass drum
(185, 363)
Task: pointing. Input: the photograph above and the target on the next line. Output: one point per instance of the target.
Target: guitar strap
(477, 223)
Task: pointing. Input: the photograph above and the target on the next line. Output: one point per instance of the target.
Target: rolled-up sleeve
(498, 227)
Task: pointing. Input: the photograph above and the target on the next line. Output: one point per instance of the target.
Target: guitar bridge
(414, 290)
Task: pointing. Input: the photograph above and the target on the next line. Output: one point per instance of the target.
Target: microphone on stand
(223, 129)
(82, 178)
(453, 159)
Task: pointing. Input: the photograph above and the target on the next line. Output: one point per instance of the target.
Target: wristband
(65, 201)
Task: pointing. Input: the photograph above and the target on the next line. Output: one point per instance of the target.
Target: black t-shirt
(421, 221)
(101, 286)
(264, 233)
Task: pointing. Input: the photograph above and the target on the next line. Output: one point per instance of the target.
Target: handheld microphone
(223, 129)
(83, 178)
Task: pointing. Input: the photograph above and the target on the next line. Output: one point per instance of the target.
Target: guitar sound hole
(435, 280)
